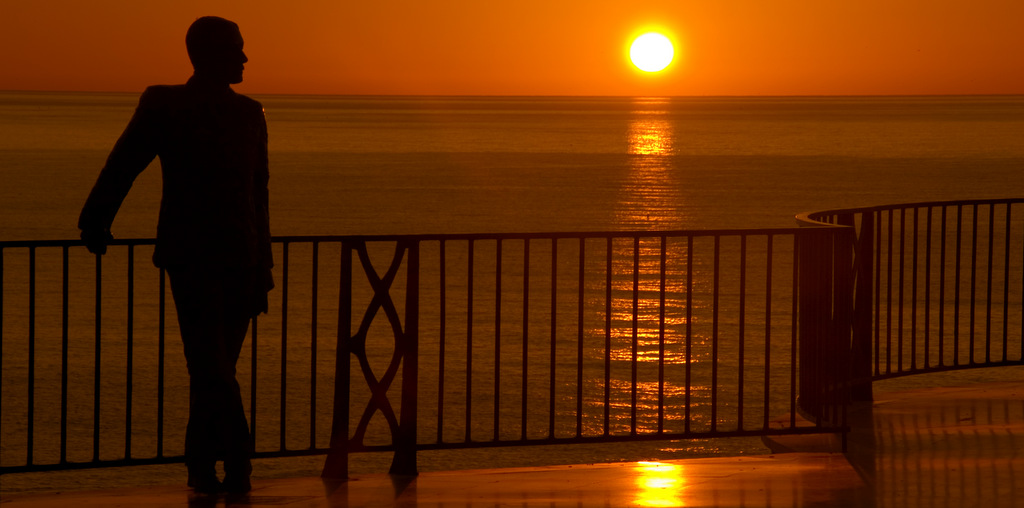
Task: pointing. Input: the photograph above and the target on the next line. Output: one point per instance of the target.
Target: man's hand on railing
(96, 240)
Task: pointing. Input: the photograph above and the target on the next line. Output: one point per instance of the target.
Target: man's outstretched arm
(132, 153)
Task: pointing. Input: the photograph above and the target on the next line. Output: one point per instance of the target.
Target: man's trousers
(214, 309)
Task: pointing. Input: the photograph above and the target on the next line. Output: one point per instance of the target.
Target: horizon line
(539, 96)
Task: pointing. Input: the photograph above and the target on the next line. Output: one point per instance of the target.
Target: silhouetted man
(213, 236)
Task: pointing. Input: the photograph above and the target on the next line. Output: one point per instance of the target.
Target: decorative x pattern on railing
(357, 343)
(402, 426)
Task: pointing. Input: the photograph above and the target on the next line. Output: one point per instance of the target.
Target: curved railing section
(936, 286)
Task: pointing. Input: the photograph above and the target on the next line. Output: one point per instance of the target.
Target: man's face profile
(231, 58)
(215, 48)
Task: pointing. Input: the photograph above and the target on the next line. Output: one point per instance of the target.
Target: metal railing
(91, 377)
(470, 341)
(582, 337)
(459, 341)
(938, 286)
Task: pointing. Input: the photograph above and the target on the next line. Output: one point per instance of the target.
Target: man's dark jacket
(212, 144)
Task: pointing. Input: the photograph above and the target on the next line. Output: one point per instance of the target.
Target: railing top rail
(460, 236)
(72, 243)
(808, 218)
(547, 235)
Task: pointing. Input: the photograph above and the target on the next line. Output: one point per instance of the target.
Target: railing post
(336, 464)
(863, 265)
(404, 461)
(840, 339)
(827, 315)
(810, 295)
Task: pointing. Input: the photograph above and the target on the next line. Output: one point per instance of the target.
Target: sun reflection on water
(651, 196)
(655, 322)
(648, 400)
(650, 135)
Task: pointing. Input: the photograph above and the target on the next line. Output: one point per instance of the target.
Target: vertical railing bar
(888, 295)
(768, 329)
(819, 283)
(636, 335)
(956, 290)
(814, 279)
(129, 337)
(1006, 286)
(840, 270)
(974, 279)
(97, 359)
(863, 255)
(942, 286)
(824, 283)
(336, 465)
(315, 302)
(843, 303)
(404, 461)
(526, 335)
(794, 329)
(554, 333)
(913, 292)
(32, 354)
(714, 334)
(988, 283)
(2, 314)
(899, 303)
(927, 288)
(689, 332)
(161, 346)
(469, 339)
(442, 327)
(742, 330)
(663, 283)
(878, 291)
(607, 336)
(64, 343)
(497, 338)
(284, 347)
(845, 308)
(581, 284)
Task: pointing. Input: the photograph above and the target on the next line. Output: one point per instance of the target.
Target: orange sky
(529, 47)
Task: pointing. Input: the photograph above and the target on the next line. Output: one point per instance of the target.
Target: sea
(345, 165)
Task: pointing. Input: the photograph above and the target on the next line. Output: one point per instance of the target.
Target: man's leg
(212, 331)
(233, 428)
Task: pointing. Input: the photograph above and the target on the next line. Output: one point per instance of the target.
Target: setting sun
(651, 52)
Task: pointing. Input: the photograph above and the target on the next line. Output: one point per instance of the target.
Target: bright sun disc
(651, 52)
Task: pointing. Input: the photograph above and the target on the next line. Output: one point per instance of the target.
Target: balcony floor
(958, 446)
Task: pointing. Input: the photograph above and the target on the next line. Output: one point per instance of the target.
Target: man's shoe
(236, 475)
(205, 484)
(236, 484)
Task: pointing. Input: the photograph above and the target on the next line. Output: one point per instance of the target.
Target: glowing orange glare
(660, 485)
(651, 52)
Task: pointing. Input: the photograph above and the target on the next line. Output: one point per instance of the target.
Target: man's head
(215, 48)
